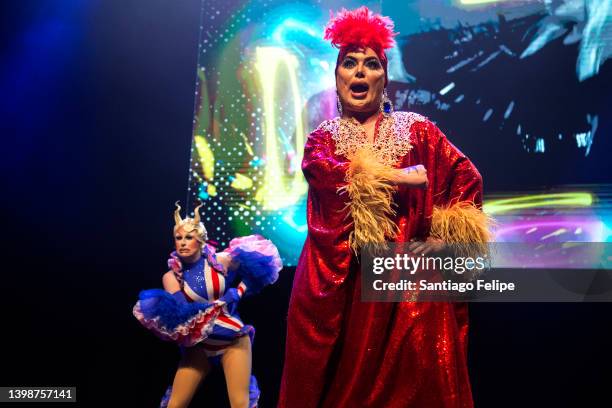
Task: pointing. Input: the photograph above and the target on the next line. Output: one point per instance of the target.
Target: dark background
(96, 112)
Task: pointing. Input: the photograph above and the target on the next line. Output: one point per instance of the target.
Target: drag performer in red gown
(376, 175)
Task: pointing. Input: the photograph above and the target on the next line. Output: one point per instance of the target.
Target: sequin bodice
(205, 282)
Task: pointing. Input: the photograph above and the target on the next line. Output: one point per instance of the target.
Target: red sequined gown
(341, 352)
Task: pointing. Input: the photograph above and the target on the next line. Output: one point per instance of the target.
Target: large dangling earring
(386, 106)
(338, 104)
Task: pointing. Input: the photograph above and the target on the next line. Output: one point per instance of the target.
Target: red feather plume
(360, 28)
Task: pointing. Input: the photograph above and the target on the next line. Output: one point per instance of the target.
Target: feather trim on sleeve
(464, 226)
(370, 189)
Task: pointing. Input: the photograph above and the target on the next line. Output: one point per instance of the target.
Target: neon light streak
(447, 88)
(291, 24)
(275, 192)
(578, 199)
(593, 230)
(241, 182)
(207, 157)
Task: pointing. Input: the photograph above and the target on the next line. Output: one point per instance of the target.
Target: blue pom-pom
(171, 312)
(256, 270)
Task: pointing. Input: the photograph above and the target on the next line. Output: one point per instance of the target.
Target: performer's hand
(231, 298)
(432, 245)
(414, 176)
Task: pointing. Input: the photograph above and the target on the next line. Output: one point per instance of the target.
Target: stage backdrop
(522, 87)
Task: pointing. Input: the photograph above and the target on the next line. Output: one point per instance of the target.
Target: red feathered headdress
(361, 28)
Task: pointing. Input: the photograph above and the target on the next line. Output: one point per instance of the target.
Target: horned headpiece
(190, 224)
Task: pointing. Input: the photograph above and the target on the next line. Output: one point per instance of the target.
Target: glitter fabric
(341, 352)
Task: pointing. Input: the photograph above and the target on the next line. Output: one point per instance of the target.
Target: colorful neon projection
(558, 217)
(275, 194)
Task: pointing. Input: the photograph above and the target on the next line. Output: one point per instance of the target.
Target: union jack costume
(204, 312)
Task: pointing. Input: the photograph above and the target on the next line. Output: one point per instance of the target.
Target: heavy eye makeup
(371, 63)
(349, 63)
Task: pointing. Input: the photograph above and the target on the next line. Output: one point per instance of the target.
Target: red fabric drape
(341, 352)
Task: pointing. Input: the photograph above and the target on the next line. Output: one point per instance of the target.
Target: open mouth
(359, 90)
